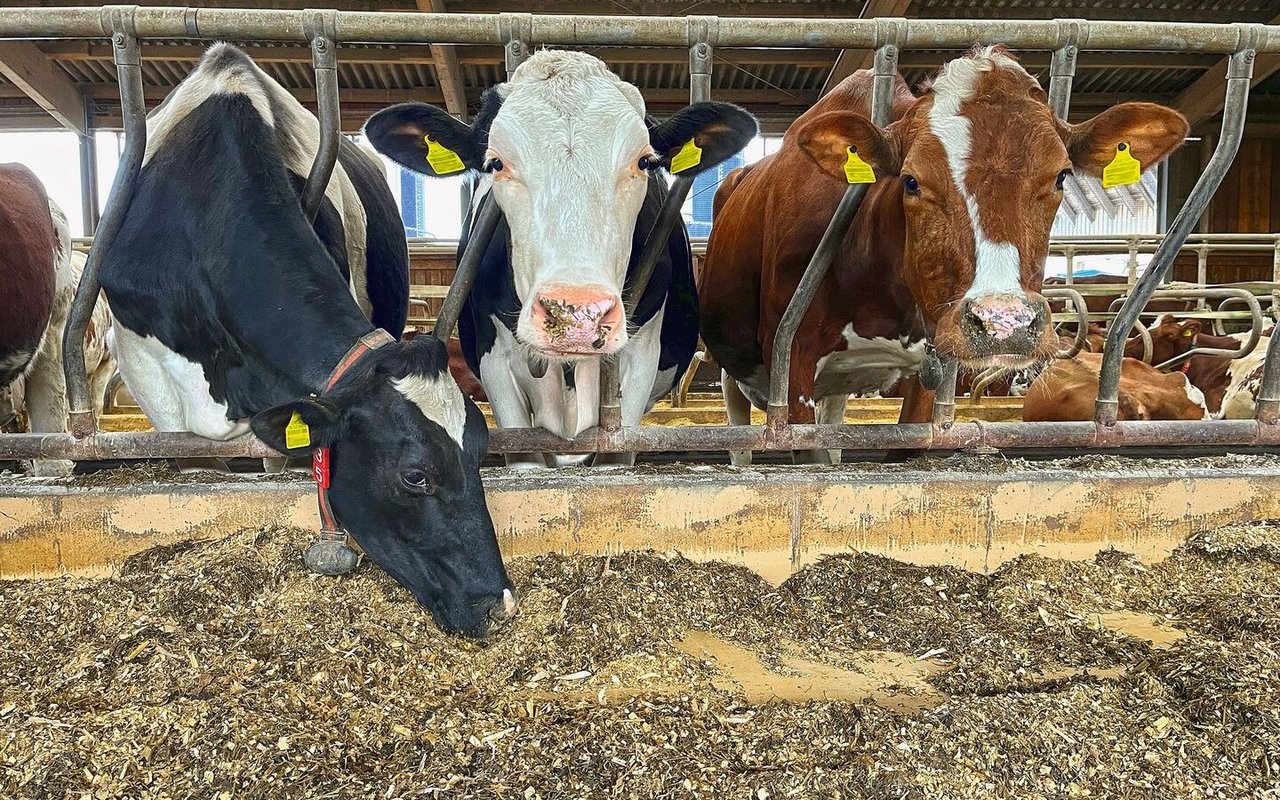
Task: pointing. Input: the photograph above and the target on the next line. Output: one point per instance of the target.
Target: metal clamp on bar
(128, 59)
(1239, 73)
(321, 27)
(516, 30)
(1062, 69)
(886, 66)
(702, 35)
(944, 401)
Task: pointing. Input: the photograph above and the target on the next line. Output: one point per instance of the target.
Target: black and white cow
(567, 153)
(232, 311)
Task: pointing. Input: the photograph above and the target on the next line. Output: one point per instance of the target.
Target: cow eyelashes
(1062, 177)
(418, 481)
(910, 185)
(493, 165)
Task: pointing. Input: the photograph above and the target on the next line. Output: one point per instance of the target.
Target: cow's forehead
(566, 98)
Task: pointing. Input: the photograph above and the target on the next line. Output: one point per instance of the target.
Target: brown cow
(29, 249)
(1067, 389)
(949, 245)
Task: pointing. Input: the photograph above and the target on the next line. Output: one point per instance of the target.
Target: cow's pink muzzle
(576, 321)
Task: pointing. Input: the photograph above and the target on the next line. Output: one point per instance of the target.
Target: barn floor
(221, 669)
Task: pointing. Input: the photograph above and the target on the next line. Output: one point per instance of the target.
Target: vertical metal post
(1071, 265)
(1202, 273)
(1239, 73)
(886, 67)
(1132, 267)
(321, 27)
(128, 59)
(1267, 408)
(89, 180)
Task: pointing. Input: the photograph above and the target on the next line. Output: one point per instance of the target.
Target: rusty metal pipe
(1239, 72)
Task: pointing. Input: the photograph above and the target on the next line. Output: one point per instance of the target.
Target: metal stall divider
(321, 30)
(889, 32)
(119, 20)
(1239, 71)
(701, 35)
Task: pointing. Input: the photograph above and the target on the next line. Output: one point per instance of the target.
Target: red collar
(320, 461)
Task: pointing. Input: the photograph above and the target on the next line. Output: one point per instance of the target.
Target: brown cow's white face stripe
(997, 268)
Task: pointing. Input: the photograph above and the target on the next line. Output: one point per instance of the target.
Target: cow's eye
(493, 165)
(1062, 177)
(648, 163)
(910, 185)
(418, 481)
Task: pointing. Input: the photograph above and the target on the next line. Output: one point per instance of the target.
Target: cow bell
(330, 555)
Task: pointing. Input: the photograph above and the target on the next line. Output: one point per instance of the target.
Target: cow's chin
(553, 353)
(1003, 361)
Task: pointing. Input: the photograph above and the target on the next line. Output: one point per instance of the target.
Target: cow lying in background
(233, 311)
(948, 247)
(1066, 390)
(579, 173)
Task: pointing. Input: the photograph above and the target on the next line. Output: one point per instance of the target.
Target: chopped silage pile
(223, 670)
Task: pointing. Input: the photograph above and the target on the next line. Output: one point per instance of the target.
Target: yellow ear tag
(442, 160)
(1187, 334)
(1123, 170)
(856, 170)
(689, 156)
(297, 433)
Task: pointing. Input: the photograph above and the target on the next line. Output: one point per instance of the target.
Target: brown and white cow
(949, 244)
(41, 393)
(29, 248)
(1066, 391)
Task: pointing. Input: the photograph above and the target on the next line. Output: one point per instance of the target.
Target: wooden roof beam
(1205, 97)
(850, 61)
(41, 80)
(448, 70)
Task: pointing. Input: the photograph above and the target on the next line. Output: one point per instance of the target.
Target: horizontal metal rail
(661, 438)
(86, 22)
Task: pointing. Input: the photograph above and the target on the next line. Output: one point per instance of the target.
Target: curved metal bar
(324, 57)
(464, 277)
(1077, 304)
(886, 66)
(119, 20)
(1239, 72)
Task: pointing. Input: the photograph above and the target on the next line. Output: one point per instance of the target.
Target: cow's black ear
(425, 139)
(717, 130)
(299, 427)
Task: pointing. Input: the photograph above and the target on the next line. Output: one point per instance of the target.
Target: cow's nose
(1001, 316)
(577, 320)
(501, 610)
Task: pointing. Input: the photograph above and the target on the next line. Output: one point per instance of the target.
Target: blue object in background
(704, 194)
(413, 206)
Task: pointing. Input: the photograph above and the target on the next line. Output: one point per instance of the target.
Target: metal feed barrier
(325, 30)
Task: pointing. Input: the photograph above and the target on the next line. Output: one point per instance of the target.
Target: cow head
(979, 162)
(405, 447)
(1171, 338)
(569, 158)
